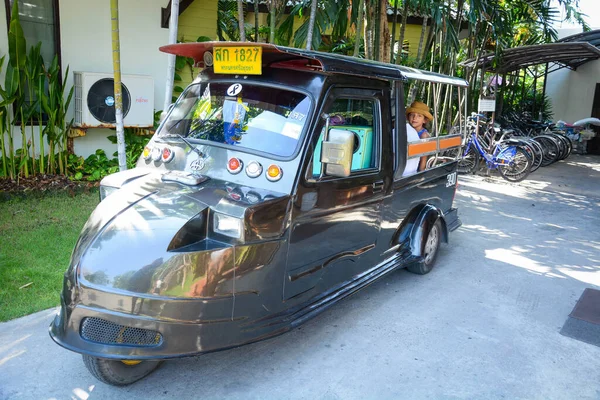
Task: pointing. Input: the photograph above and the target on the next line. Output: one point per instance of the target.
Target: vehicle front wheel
(430, 251)
(118, 372)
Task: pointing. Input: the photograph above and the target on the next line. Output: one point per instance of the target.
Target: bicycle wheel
(518, 166)
(568, 145)
(469, 161)
(550, 148)
(562, 146)
(539, 154)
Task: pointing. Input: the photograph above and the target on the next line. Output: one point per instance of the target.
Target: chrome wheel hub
(432, 243)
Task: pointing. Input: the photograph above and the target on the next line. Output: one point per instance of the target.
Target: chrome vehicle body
(166, 267)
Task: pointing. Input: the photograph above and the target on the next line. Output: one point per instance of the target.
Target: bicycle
(511, 160)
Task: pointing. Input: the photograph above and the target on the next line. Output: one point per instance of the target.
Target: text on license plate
(238, 60)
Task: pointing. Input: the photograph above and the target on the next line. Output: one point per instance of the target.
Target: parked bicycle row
(514, 154)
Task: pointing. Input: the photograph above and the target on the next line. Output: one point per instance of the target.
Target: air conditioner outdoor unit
(95, 101)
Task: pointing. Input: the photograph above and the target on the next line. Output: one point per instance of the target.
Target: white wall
(87, 46)
(572, 92)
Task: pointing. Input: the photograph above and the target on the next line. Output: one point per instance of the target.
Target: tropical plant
(55, 105)
(227, 23)
(7, 121)
(134, 145)
(17, 50)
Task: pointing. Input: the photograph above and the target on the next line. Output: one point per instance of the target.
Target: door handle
(378, 187)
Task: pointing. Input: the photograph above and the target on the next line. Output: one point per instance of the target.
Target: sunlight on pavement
(13, 343)
(81, 394)
(486, 231)
(513, 216)
(505, 189)
(592, 278)
(17, 354)
(591, 165)
(511, 257)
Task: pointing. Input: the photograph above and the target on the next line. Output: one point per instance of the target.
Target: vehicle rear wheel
(430, 251)
(118, 372)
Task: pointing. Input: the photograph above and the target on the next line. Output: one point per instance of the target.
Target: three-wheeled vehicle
(280, 182)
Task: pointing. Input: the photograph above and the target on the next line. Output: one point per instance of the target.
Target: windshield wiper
(192, 146)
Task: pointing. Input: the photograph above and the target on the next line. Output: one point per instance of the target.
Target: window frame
(350, 94)
(57, 46)
(299, 144)
(435, 135)
(57, 51)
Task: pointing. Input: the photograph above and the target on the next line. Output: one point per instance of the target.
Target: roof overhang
(288, 57)
(571, 55)
(592, 37)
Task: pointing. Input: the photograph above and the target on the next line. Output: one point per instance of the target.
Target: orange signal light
(274, 173)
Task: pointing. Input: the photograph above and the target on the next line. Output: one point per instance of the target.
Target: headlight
(106, 191)
(228, 226)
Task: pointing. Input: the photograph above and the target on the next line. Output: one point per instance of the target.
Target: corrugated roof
(569, 54)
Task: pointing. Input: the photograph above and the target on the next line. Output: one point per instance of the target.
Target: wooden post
(535, 77)
(171, 57)
(545, 79)
(116, 49)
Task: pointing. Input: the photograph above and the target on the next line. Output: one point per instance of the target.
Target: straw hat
(419, 108)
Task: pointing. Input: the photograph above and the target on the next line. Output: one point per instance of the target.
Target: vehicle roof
(288, 57)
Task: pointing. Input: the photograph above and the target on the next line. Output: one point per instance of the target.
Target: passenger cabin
(361, 113)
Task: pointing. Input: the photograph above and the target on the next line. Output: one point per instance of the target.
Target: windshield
(255, 117)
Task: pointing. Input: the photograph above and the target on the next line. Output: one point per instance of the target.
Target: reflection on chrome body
(153, 256)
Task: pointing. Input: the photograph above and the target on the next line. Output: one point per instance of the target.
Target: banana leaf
(17, 48)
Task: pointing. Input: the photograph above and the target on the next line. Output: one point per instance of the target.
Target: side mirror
(336, 152)
(164, 114)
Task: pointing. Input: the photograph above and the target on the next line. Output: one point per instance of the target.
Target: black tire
(568, 146)
(539, 155)
(430, 250)
(519, 167)
(116, 372)
(550, 147)
(468, 163)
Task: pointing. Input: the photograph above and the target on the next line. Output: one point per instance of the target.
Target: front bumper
(110, 334)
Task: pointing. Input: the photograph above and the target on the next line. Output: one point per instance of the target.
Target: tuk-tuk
(276, 185)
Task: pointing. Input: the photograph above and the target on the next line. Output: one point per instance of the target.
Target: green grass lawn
(37, 235)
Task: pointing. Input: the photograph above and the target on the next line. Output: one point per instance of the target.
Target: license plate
(245, 60)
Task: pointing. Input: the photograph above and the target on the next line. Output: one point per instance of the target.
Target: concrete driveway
(484, 324)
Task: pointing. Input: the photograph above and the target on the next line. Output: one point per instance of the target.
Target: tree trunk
(422, 39)
(384, 39)
(415, 85)
(369, 31)
(116, 48)
(395, 21)
(402, 30)
(377, 31)
(256, 21)
(240, 6)
(311, 24)
(273, 14)
(359, 27)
